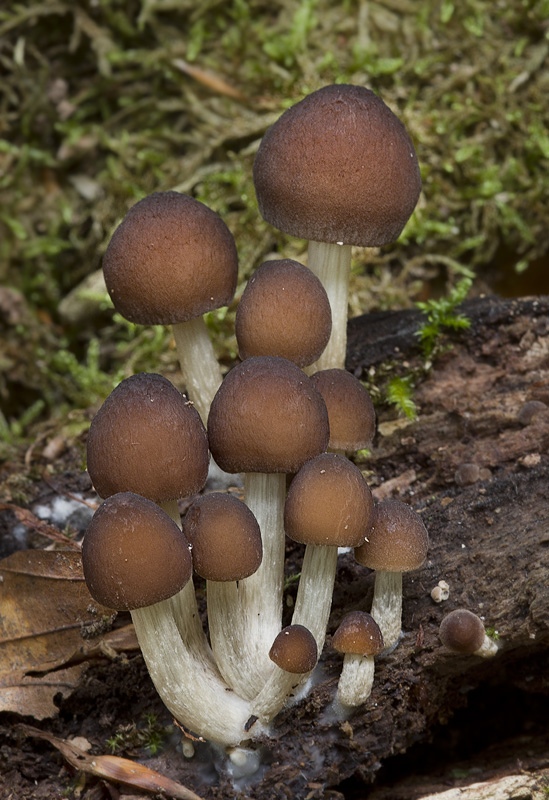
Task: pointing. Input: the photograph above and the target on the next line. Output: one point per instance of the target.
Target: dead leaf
(44, 608)
(114, 768)
(210, 80)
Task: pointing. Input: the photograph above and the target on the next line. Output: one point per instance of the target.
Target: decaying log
(489, 533)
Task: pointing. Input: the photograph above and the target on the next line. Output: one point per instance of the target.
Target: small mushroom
(170, 261)
(284, 311)
(329, 505)
(226, 545)
(395, 543)
(359, 638)
(294, 652)
(461, 631)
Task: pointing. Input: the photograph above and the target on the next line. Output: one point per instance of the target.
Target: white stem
(191, 687)
(356, 679)
(260, 595)
(278, 687)
(227, 635)
(331, 263)
(387, 606)
(487, 649)
(314, 594)
(200, 368)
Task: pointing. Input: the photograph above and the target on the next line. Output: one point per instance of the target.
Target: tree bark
(489, 540)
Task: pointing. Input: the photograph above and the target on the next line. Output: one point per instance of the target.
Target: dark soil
(434, 720)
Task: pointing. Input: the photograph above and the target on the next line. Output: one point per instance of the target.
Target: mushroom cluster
(287, 414)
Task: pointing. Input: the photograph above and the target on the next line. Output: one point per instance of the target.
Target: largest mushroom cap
(338, 166)
(133, 554)
(267, 417)
(149, 439)
(171, 259)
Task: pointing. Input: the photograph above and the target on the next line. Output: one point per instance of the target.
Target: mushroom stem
(356, 679)
(387, 606)
(191, 688)
(487, 649)
(314, 594)
(312, 610)
(331, 263)
(199, 365)
(225, 625)
(276, 690)
(260, 595)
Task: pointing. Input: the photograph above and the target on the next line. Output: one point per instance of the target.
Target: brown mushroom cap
(171, 259)
(149, 439)
(350, 409)
(294, 649)
(338, 166)
(328, 503)
(133, 554)
(396, 541)
(462, 631)
(284, 311)
(266, 417)
(359, 634)
(224, 536)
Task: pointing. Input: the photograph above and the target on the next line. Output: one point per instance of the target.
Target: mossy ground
(105, 101)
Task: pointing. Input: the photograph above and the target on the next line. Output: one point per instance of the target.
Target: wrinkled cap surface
(224, 536)
(284, 311)
(149, 439)
(350, 409)
(359, 634)
(133, 554)
(396, 541)
(462, 631)
(338, 166)
(328, 503)
(171, 259)
(294, 649)
(266, 417)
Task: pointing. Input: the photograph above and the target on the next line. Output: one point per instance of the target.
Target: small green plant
(441, 314)
(492, 633)
(400, 393)
(149, 736)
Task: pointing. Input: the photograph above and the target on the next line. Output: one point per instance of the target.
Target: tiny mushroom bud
(359, 638)
(284, 311)
(170, 261)
(294, 650)
(339, 169)
(350, 409)
(395, 543)
(463, 632)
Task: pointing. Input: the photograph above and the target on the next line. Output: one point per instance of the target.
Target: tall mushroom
(170, 261)
(266, 420)
(339, 169)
